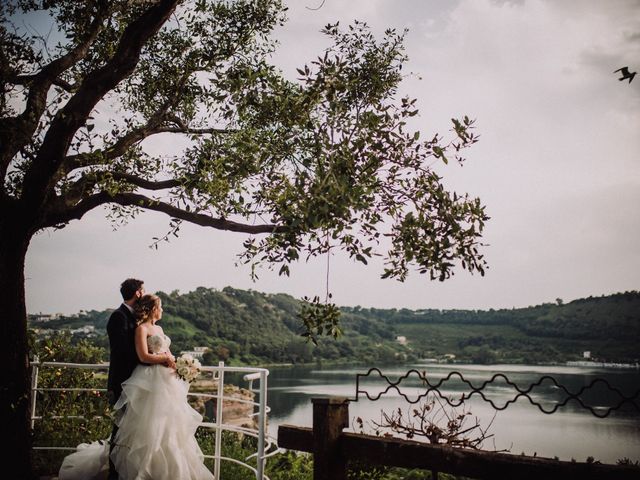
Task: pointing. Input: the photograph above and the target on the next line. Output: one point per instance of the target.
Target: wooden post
(330, 416)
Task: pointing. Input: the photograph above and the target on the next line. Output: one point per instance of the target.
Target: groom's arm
(117, 334)
(117, 346)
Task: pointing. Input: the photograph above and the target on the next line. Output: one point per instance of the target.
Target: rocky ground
(234, 409)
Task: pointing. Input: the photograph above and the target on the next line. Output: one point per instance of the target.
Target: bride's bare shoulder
(142, 329)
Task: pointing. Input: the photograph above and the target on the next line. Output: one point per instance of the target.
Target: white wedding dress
(156, 428)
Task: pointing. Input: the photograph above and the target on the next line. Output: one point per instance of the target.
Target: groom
(123, 358)
(121, 329)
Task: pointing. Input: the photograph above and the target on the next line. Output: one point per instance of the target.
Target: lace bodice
(158, 343)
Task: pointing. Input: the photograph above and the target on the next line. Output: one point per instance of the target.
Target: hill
(608, 327)
(250, 327)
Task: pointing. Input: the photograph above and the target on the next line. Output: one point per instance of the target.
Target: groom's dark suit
(123, 358)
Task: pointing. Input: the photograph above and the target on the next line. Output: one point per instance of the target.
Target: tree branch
(152, 127)
(114, 151)
(41, 177)
(182, 127)
(15, 132)
(62, 216)
(28, 79)
(81, 160)
(86, 183)
(146, 184)
(194, 131)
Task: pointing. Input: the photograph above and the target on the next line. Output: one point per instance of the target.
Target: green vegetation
(607, 326)
(53, 429)
(248, 327)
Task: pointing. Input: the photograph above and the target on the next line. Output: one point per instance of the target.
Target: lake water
(571, 432)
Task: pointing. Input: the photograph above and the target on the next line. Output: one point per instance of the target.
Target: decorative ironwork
(437, 387)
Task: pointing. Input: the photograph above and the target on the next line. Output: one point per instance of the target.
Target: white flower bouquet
(187, 367)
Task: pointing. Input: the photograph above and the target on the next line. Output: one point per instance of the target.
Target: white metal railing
(264, 442)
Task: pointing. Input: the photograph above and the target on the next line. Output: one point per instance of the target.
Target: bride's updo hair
(144, 307)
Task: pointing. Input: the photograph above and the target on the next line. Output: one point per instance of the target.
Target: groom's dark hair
(129, 287)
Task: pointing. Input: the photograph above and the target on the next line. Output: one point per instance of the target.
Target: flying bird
(624, 71)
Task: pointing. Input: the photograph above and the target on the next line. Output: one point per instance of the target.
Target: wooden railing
(333, 449)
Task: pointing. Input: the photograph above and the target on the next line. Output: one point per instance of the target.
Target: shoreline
(610, 365)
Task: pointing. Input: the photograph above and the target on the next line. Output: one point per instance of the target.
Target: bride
(156, 426)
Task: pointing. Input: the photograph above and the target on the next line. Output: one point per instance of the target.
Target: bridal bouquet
(187, 367)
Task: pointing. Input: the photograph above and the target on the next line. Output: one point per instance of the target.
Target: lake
(571, 432)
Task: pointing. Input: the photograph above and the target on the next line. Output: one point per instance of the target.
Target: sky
(557, 165)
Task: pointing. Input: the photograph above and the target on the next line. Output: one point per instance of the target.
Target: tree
(326, 161)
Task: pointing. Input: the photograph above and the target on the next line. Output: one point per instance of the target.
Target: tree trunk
(15, 391)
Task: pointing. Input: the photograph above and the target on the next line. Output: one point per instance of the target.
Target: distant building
(44, 317)
(402, 340)
(197, 352)
(87, 330)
